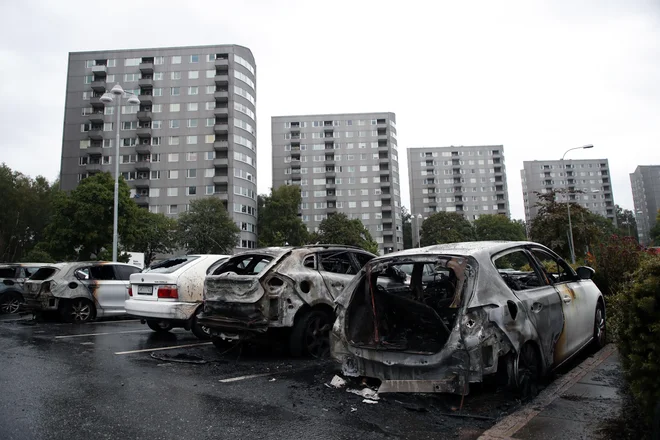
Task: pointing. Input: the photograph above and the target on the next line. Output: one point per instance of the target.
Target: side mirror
(585, 272)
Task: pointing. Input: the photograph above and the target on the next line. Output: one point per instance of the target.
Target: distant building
(470, 180)
(590, 176)
(344, 163)
(645, 182)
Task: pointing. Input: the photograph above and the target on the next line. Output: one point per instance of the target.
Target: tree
(82, 221)
(151, 234)
(278, 221)
(626, 222)
(498, 227)
(339, 229)
(207, 228)
(550, 226)
(406, 218)
(654, 233)
(445, 227)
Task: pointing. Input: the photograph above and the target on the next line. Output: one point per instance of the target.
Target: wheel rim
(528, 371)
(11, 305)
(80, 311)
(164, 325)
(600, 325)
(317, 337)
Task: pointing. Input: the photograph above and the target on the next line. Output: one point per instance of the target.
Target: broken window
(336, 262)
(103, 273)
(7, 272)
(44, 273)
(310, 262)
(363, 259)
(557, 271)
(517, 270)
(245, 265)
(171, 264)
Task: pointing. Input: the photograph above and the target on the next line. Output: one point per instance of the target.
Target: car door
(576, 305)
(539, 298)
(337, 269)
(110, 292)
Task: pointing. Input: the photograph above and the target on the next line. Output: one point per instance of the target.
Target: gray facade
(193, 134)
(645, 182)
(470, 180)
(343, 163)
(590, 176)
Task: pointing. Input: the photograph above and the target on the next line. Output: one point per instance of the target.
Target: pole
(116, 201)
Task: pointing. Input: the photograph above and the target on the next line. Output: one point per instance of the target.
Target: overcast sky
(536, 77)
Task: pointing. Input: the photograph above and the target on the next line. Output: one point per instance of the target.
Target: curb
(509, 425)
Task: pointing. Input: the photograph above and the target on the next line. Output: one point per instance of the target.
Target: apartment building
(645, 183)
(470, 180)
(587, 181)
(343, 163)
(192, 135)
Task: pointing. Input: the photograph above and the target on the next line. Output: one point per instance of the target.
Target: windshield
(43, 274)
(245, 265)
(171, 264)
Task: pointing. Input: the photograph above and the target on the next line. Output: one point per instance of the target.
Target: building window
(192, 106)
(173, 174)
(132, 61)
(175, 75)
(209, 190)
(191, 191)
(175, 91)
(194, 58)
(193, 90)
(191, 140)
(193, 74)
(174, 123)
(192, 123)
(175, 107)
(176, 59)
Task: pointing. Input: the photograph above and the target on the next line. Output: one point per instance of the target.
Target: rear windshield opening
(7, 272)
(407, 306)
(171, 264)
(43, 273)
(245, 265)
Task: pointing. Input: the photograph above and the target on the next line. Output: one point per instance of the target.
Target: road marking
(251, 376)
(121, 321)
(102, 334)
(164, 348)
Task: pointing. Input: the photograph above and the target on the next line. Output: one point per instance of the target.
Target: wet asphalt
(66, 381)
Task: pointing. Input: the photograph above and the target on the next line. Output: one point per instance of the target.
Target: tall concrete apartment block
(343, 163)
(590, 176)
(470, 180)
(192, 136)
(645, 182)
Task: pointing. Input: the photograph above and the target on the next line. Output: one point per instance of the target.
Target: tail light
(168, 292)
(130, 291)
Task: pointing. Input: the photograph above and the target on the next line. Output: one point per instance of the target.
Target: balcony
(144, 132)
(141, 200)
(141, 183)
(222, 195)
(143, 148)
(96, 134)
(221, 111)
(222, 80)
(93, 167)
(220, 145)
(147, 67)
(146, 99)
(221, 128)
(146, 82)
(143, 165)
(221, 162)
(100, 70)
(222, 63)
(95, 101)
(98, 85)
(386, 208)
(221, 96)
(144, 116)
(94, 151)
(220, 179)
(96, 117)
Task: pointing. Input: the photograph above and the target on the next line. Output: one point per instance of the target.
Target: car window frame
(351, 261)
(560, 262)
(118, 274)
(532, 262)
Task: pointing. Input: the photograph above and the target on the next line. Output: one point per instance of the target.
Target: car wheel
(200, 331)
(77, 310)
(528, 372)
(159, 326)
(600, 328)
(10, 303)
(311, 334)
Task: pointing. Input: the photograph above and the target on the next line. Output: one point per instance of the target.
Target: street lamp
(568, 203)
(418, 226)
(107, 98)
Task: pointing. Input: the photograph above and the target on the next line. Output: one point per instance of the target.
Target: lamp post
(107, 98)
(417, 229)
(568, 203)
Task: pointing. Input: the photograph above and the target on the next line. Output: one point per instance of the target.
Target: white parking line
(102, 334)
(121, 321)
(164, 348)
(251, 376)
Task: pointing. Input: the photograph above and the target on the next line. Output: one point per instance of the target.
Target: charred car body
(289, 288)
(80, 292)
(513, 310)
(12, 278)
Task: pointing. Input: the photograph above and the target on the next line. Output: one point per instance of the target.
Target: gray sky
(537, 77)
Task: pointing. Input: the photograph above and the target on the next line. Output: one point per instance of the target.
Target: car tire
(311, 334)
(159, 326)
(600, 328)
(528, 373)
(77, 310)
(199, 330)
(10, 303)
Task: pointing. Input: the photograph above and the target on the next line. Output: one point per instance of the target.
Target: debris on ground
(367, 393)
(369, 401)
(182, 358)
(272, 380)
(353, 409)
(337, 382)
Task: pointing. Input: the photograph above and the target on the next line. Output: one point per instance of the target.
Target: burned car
(280, 288)
(506, 310)
(12, 277)
(80, 292)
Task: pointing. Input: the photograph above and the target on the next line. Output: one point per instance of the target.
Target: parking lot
(118, 379)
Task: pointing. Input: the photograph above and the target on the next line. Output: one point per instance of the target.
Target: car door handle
(567, 299)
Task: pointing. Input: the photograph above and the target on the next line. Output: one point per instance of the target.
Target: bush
(614, 261)
(638, 333)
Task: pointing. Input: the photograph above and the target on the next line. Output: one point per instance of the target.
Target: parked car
(169, 293)
(510, 310)
(80, 292)
(12, 278)
(280, 288)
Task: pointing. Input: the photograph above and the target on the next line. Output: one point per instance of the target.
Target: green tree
(207, 228)
(445, 227)
(339, 229)
(550, 226)
(626, 222)
(278, 222)
(654, 233)
(82, 221)
(498, 227)
(151, 234)
(406, 218)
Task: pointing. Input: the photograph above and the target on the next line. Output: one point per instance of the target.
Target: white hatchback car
(169, 293)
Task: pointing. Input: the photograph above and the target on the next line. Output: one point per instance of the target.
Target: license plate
(145, 290)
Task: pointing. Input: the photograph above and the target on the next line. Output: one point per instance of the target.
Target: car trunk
(144, 286)
(408, 304)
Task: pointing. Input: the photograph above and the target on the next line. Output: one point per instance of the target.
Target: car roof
(5, 265)
(468, 248)
(281, 250)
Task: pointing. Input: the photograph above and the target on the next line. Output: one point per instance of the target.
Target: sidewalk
(572, 407)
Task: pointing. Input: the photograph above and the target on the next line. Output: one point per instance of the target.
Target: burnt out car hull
(466, 325)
